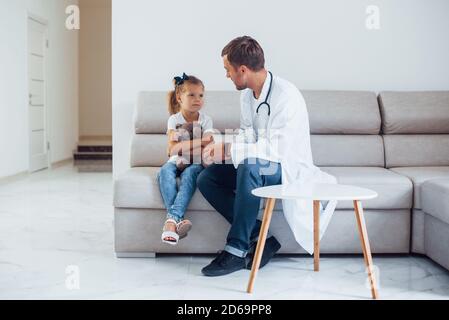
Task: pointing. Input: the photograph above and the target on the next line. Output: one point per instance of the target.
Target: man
(272, 147)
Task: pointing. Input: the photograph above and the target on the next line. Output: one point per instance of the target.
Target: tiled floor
(55, 225)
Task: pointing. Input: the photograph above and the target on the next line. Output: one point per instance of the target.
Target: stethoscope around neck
(265, 103)
(262, 117)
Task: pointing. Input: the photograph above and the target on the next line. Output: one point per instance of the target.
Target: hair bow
(180, 80)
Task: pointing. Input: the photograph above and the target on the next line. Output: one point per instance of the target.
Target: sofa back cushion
(415, 112)
(348, 150)
(345, 126)
(415, 126)
(343, 112)
(416, 150)
(152, 111)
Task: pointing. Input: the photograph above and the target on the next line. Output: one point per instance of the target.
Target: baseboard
(61, 163)
(135, 255)
(17, 176)
(23, 174)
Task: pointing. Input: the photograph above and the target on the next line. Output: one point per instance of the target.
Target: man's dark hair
(245, 51)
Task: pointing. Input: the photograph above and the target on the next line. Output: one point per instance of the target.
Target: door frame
(43, 22)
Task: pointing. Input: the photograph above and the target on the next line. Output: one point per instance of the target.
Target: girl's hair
(173, 104)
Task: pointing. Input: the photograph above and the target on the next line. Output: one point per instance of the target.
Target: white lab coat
(286, 141)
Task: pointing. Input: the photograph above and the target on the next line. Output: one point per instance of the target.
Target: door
(38, 143)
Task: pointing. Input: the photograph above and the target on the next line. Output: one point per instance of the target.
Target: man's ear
(243, 69)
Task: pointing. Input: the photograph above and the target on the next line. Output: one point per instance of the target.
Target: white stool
(316, 193)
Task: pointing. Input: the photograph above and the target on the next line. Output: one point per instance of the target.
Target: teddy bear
(186, 132)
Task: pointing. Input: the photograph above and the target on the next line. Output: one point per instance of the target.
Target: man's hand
(215, 153)
(207, 139)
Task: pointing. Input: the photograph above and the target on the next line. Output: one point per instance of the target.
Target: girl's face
(192, 98)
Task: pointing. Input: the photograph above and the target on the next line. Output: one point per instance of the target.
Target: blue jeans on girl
(176, 200)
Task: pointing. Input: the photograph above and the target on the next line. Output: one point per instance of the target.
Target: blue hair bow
(180, 80)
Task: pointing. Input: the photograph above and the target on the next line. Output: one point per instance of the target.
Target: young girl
(184, 105)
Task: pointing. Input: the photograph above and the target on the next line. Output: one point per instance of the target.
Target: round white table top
(317, 191)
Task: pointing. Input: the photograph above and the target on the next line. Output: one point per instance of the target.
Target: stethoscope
(265, 103)
(262, 118)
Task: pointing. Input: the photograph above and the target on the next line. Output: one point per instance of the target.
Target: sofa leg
(135, 255)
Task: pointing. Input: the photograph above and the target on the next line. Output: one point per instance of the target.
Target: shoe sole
(183, 230)
(223, 273)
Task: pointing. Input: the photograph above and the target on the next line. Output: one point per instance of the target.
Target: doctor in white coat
(274, 137)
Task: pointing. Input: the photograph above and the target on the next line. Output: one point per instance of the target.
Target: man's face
(237, 75)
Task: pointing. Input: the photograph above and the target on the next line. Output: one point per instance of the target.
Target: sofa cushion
(419, 175)
(139, 188)
(416, 150)
(435, 198)
(149, 150)
(348, 150)
(394, 191)
(342, 112)
(414, 112)
(330, 112)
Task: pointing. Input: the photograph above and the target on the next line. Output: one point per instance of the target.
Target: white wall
(62, 82)
(95, 114)
(315, 44)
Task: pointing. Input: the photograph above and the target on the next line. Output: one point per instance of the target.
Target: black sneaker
(224, 263)
(271, 247)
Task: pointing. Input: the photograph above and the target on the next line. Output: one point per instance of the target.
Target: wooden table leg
(366, 247)
(269, 206)
(316, 236)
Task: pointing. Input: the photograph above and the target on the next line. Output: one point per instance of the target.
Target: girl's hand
(182, 163)
(207, 155)
(175, 136)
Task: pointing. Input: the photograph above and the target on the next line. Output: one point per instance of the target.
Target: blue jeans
(176, 200)
(229, 191)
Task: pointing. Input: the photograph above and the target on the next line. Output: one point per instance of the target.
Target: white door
(38, 145)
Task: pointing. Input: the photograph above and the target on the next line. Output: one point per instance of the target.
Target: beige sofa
(396, 143)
